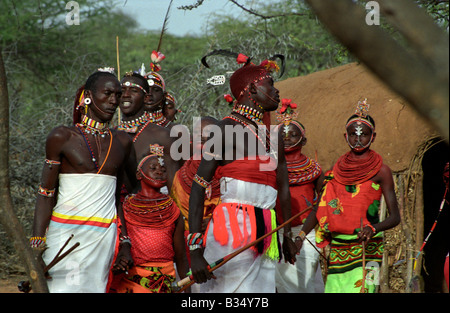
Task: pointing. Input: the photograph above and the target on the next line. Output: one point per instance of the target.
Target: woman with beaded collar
(248, 193)
(347, 211)
(305, 182)
(79, 190)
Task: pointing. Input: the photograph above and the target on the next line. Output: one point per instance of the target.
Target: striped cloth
(85, 208)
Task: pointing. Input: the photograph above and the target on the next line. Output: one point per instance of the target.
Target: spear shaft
(188, 281)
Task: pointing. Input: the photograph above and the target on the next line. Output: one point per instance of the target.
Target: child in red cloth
(350, 198)
(156, 233)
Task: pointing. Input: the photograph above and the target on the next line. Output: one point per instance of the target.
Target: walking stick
(363, 284)
(25, 286)
(188, 281)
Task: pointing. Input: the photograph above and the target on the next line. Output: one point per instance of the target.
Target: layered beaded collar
(158, 118)
(90, 126)
(133, 125)
(249, 113)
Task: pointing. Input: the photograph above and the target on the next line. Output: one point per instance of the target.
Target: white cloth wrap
(246, 273)
(305, 275)
(85, 208)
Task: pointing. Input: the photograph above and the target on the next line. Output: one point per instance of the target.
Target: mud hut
(325, 100)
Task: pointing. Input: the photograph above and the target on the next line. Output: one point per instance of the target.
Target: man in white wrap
(83, 167)
(248, 191)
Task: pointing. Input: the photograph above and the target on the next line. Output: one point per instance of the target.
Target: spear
(188, 281)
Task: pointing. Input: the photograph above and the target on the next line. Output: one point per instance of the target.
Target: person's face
(154, 99)
(132, 100)
(359, 137)
(266, 94)
(105, 98)
(170, 110)
(155, 171)
(292, 136)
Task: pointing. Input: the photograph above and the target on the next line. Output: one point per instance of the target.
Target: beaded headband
(130, 84)
(154, 78)
(169, 97)
(362, 111)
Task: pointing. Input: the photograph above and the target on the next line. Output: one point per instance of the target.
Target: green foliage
(47, 60)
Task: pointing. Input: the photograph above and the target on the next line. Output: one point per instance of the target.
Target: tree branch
(265, 17)
(409, 76)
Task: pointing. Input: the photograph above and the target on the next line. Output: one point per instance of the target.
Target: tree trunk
(412, 75)
(8, 217)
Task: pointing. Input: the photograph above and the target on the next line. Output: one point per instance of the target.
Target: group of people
(144, 220)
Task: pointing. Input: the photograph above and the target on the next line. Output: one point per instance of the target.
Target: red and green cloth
(349, 196)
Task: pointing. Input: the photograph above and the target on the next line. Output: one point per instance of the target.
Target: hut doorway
(434, 187)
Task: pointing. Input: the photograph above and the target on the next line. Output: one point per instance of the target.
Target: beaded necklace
(84, 133)
(240, 121)
(249, 113)
(158, 118)
(142, 129)
(93, 127)
(133, 125)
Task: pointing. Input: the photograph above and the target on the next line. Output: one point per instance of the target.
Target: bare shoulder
(60, 133)
(122, 137)
(384, 175)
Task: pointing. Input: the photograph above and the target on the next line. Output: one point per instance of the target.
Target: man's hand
(124, 261)
(290, 250)
(200, 267)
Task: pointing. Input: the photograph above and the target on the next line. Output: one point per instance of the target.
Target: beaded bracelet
(37, 242)
(46, 192)
(194, 241)
(371, 227)
(301, 235)
(124, 239)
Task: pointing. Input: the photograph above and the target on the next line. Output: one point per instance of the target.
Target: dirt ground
(9, 285)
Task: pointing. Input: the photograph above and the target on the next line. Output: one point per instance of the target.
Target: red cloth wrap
(249, 171)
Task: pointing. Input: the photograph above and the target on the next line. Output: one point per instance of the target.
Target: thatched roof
(326, 99)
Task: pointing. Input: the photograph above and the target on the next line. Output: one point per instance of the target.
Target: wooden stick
(188, 281)
(363, 284)
(24, 286)
(118, 72)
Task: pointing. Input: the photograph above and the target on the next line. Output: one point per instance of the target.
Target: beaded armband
(37, 242)
(201, 181)
(50, 163)
(194, 241)
(46, 192)
(205, 184)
